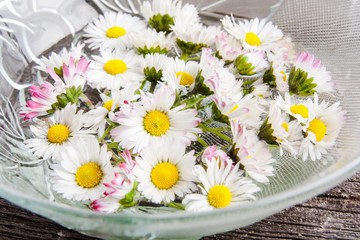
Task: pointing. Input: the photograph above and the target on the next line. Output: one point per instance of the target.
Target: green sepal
(59, 71)
(300, 84)
(269, 77)
(218, 116)
(200, 87)
(71, 95)
(129, 199)
(145, 50)
(266, 133)
(189, 48)
(243, 66)
(161, 23)
(152, 75)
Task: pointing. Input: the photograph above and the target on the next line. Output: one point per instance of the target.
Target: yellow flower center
(108, 104)
(285, 125)
(284, 75)
(156, 123)
(89, 175)
(115, 32)
(115, 66)
(164, 175)
(300, 109)
(58, 133)
(219, 196)
(318, 127)
(252, 39)
(233, 109)
(186, 79)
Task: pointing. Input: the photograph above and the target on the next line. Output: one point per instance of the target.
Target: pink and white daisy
(58, 133)
(119, 187)
(56, 61)
(41, 100)
(73, 74)
(309, 68)
(227, 46)
(253, 154)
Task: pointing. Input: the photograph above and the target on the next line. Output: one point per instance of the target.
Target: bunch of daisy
(162, 110)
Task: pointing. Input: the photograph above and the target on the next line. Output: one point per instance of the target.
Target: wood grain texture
(333, 215)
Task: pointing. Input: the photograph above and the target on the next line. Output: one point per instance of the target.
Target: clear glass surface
(28, 28)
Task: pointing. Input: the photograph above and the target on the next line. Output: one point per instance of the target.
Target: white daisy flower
(181, 75)
(253, 34)
(261, 91)
(58, 133)
(212, 153)
(111, 30)
(308, 76)
(251, 63)
(115, 69)
(227, 46)
(209, 65)
(149, 41)
(296, 108)
(230, 100)
(119, 187)
(164, 173)
(278, 130)
(154, 66)
(41, 100)
(221, 185)
(82, 171)
(96, 118)
(56, 61)
(254, 155)
(191, 38)
(321, 130)
(161, 14)
(154, 121)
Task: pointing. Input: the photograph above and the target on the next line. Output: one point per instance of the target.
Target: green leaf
(161, 23)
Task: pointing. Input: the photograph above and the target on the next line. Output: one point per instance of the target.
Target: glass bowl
(28, 28)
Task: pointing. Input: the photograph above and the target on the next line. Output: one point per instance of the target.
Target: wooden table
(333, 215)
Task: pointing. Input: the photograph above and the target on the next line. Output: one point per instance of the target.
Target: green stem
(152, 87)
(216, 131)
(175, 205)
(202, 142)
